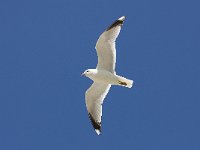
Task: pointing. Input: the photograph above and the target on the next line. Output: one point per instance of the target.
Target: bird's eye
(87, 71)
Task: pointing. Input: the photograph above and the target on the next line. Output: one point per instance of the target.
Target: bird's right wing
(105, 46)
(94, 97)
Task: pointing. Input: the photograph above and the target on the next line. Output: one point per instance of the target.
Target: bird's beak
(83, 74)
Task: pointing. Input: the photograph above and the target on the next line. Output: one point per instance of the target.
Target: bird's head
(89, 72)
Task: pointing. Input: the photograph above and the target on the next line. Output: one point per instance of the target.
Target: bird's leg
(122, 83)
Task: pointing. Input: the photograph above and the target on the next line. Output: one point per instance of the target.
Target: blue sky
(46, 45)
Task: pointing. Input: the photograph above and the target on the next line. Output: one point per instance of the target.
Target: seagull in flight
(104, 75)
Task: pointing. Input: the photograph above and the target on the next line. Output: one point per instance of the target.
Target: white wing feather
(105, 46)
(94, 97)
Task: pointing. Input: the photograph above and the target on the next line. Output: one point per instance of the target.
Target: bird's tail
(125, 82)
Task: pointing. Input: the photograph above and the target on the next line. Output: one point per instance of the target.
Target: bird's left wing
(94, 97)
(105, 46)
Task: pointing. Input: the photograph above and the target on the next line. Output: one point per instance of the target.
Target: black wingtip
(118, 22)
(96, 125)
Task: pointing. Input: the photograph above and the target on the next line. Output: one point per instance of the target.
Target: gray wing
(105, 46)
(94, 97)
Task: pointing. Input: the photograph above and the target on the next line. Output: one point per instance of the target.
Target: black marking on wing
(116, 23)
(96, 125)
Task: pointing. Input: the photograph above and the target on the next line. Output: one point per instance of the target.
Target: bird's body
(104, 75)
(107, 77)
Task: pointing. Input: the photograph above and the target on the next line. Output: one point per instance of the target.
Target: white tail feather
(129, 83)
(125, 82)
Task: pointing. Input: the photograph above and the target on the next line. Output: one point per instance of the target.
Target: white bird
(104, 75)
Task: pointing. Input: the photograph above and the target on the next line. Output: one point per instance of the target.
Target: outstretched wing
(105, 46)
(94, 97)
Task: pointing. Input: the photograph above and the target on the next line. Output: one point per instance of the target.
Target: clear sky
(46, 44)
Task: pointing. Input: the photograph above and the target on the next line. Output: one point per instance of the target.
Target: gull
(104, 75)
